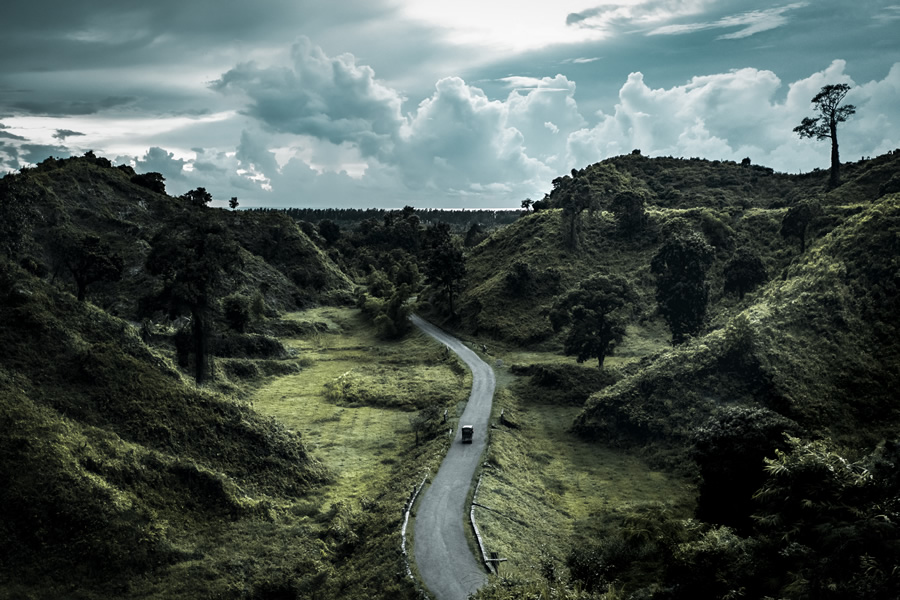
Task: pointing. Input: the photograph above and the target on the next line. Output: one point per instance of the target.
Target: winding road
(442, 555)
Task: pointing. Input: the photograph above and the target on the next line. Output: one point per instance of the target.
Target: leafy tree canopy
(824, 125)
(680, 266)
(597, 312)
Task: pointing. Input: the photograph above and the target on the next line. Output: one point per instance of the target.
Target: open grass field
(355, 395)
(544, 487)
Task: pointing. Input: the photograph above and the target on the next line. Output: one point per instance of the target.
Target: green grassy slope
(84, 195)
(111, 464)
(818, 346)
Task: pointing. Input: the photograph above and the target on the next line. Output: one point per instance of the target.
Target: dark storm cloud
(66, 34)
(10, 136)
(67, 107)
(62, 134)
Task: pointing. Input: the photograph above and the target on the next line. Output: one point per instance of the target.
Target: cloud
(751, 23)
(888, 14)
(10, 136)
(459, 140)
(161, 161)
(68, 107)
(732, 115)
(62, 134)
(35, 153)
(329, 97)
(642, 13)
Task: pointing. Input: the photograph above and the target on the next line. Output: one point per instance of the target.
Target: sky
(428, 103)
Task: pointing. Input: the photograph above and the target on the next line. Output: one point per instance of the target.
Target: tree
(330, 231)
(90, 259)
(828, 104)
(680, 266)
(575, 200)
(527, 203)
(153, 181)
(445, 266)
(597, 311)
(233, 203)
(796, 223)
(628, 207)
(744, 272)
(424, 421)
(192, 256)
(729, 450)
(198, 197)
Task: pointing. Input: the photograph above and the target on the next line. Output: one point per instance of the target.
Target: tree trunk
(198, 328)
(835, 178)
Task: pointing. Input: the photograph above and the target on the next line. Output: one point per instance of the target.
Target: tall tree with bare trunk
(828, 104)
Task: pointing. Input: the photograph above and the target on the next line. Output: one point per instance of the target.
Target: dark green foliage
(89, 260)
(574, 197)
(561, 383)
(445, 265)
(112, 468)
(330, 231)
(425, 422)
(834, 522)
(475, 235)
(520, 280)
(233, 203)
(17, 213)
(891, 186)
(152, 181)
(796, 223)
(824, 125)
(236, 310)
(236, 345)
(596, 313)
(682, 291)
(198, 197)
(192, 256)
(729, 450)
(628, 206)
(744, 271)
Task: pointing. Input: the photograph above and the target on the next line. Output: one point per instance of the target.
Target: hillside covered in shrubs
(735, 326)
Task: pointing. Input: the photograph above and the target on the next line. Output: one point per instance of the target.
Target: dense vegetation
(745, 322)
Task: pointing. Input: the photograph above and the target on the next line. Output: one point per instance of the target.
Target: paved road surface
(445, 562)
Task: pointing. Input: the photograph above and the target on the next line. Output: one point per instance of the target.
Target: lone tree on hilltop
(828, 104)
(682, 291)
(597, 312)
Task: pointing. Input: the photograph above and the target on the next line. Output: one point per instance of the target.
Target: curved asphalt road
(442, 555)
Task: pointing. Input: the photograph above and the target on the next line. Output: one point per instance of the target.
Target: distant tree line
(459, 220)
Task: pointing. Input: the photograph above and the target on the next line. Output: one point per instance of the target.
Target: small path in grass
(443, 557)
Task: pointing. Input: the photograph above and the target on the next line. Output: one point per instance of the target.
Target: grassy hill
(817, 345)
(120, 477)
(783, 408)
(86, 196)
(112, 464)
